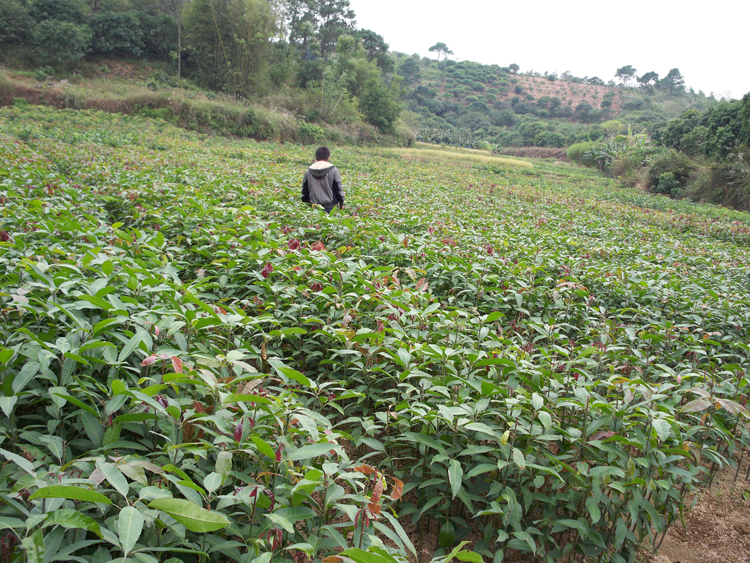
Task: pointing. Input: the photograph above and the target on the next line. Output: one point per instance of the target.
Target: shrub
(43, 73)
(62, 42)
(310, 133)
(550, 139)
(60, 10)
(15, 22)
(577, 150)
(159, 34)
(117, 34)
(670, 161)
(633, 105)
(667, 184)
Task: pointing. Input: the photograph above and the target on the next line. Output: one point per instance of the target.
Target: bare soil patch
(717, 528)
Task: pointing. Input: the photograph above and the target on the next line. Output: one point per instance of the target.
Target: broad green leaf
(7, 523)
(114, 476)
(295, 375)
(360, 556)
(5, 355)
(21, 462)
(34, 547)
(313, 450)
(663, 430)
(448, 558)
(594, 510)
(400, 531)
(129, 347)
(526, 537)
(519, 459)
(545, 419)
(455, 476)
(78, 403)
(424, 440)
(212, 482)
(224, 464)
(129, 528)
(70, 492)
(68, 518)
(263, 447)
(98, 301)
(55, 445)
(237, 398)
(480, 427)
(7, 404)
(296, 513)
(190, 515)
(93, 428)
(281, 521)
(23, 377)
(470, 556)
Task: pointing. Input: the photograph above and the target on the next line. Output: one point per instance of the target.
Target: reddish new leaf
(377, 491)
(148, 361)
(176, 364)
(398, 489)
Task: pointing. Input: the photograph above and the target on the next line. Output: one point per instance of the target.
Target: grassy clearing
(445, 156)
(420, 144)
(183, 105)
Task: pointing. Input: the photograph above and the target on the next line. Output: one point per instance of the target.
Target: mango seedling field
(197, 367)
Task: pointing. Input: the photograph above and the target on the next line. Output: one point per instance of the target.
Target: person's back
(322, 184)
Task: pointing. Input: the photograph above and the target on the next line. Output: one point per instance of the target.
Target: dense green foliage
(714, 133)
(506, 108)
(197, 366)
(702, 155)
(244, 48)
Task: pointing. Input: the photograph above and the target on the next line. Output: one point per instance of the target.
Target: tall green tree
(376, 49)
(60, 10)
(62, 42)
(16, 24)
(673, 82)
(175, 8)
(229, 42)
(410, 70)
(441, 49)
(626, 74)
(648, 78)
(334, 18)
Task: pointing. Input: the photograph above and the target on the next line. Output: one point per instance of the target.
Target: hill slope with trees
(308, 60)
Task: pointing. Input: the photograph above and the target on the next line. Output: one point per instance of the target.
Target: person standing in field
(322, 184)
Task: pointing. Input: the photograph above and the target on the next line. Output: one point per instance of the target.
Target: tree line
(308, 49)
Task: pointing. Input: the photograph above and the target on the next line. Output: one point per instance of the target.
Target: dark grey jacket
(323, 185)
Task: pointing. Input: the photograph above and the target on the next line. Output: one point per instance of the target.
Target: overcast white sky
(708, 41)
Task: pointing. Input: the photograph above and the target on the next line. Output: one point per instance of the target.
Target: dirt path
(718, 527)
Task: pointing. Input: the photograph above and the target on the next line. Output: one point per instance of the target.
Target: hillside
(148, 90)
(477, 102)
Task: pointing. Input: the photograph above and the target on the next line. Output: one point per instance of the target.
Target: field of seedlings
(473, 360)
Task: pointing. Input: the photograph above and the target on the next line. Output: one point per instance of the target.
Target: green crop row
(196, 366)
